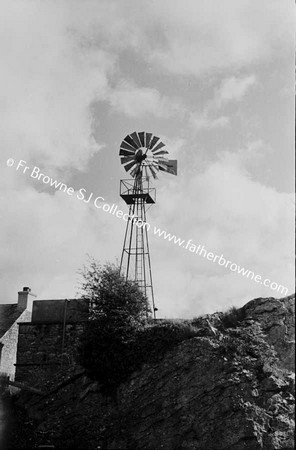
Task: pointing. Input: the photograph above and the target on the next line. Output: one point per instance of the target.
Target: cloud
(48, 82)
(204, 122)
(206, 36)
(57, 60)
(186, 37)
(233, 89)
(137, 101)
(45, 239)
(222, 208)
(251, 158)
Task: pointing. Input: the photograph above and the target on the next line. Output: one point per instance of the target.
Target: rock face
(222, 390)
(277, 319)
(198, 399)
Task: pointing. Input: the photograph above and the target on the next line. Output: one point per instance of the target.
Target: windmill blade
(160, 158)
(126, 159)
(126, 153)
(127, 146)
(136, 139)
(148, 139)
(169, 167)
(130, 165)
(160, 152)
(142, 138)
(153, 142)
(130, 141)
(158, 147)
(136, 170)
(162, 167)
(153, 171)
(154, 164)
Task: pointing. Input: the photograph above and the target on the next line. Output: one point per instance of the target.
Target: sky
(213, 79)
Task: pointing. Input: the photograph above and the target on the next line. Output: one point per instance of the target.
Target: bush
(118, 309)
(114, 300)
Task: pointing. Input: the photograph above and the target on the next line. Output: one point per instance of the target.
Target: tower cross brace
(135, 261)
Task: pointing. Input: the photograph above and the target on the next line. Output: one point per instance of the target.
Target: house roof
(8, 315)
(60, 310)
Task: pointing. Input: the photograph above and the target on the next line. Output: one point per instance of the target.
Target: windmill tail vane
(143, 156)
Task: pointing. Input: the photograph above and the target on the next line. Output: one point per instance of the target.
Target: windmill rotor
(143, 155)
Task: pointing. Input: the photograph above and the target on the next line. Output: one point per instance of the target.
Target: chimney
(23, 298)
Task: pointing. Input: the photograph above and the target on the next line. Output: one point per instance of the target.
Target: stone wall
(44, 347)
(9, 346)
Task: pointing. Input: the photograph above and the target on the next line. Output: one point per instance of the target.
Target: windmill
(143, 156)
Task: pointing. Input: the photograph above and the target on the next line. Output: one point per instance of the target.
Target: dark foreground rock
(226, 389)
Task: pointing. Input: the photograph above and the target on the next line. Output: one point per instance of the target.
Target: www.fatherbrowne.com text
(99, 203)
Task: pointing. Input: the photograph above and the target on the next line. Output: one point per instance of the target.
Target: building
(50, 339)
(10, 316)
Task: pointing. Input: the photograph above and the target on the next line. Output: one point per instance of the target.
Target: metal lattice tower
(142, 155)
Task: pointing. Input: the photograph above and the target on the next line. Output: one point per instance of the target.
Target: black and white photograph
(147, 259)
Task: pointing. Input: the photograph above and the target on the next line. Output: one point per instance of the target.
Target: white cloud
(45, 239)
(57, 59)
(48, 81)
(185, 36)
(138, 101)
(205, 122)
(233, 89)
(199, 37)
(225, 210)
(252, 158)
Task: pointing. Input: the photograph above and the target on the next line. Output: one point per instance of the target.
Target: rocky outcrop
(277, 319)
(222, 390)
(201, 397)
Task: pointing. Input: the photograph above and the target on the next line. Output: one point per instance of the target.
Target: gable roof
(8, 315)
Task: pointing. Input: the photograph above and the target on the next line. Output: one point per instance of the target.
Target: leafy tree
(118, 310)
(113, 298)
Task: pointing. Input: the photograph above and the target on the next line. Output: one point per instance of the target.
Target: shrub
(114, 300)
(118, 309)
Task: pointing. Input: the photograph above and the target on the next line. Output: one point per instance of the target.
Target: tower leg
(135, 261)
